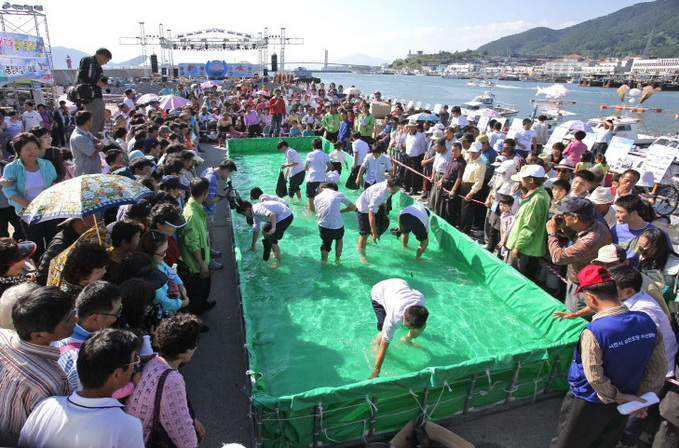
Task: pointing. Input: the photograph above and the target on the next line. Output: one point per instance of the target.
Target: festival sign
(189, 70)
(589, 140)
(241, 70)
(658, 160)
(517, 125)
(23, 58)
(216, 69)
(617, 152)
(557, 137)
(483, 123)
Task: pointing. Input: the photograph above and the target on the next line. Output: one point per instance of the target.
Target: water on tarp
(312, 326)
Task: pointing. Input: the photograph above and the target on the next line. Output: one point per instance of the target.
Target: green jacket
(330, 122)
(193, 236)
(529, 233)
(367, 130)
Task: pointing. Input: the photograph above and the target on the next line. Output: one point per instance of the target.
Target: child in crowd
(600, 160)
(295, 130)
(506, 221)
(560, 189)
(309, 131)
(585, 161)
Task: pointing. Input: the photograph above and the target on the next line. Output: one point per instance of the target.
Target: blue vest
(627, 341)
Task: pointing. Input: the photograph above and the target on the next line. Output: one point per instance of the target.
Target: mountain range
(59, 55)
(623, 33)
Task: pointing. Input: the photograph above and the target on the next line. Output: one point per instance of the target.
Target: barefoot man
(367, 206)
(394, 302)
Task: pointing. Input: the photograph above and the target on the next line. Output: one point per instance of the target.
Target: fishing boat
(487, 101)
(481, 83)
(625, 127)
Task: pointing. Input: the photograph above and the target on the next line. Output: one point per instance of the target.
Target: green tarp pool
(490, 337)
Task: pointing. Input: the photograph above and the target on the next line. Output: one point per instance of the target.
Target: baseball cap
(498, 160)
(24, 250)
(529, 171)
(482, 138)
(172, 218)
(475, 147)
(592, 275)
(468, 138)
(172, 181)
(577, 205)
(607, 254)
(506, 167)
(438, 135)
(601, 195)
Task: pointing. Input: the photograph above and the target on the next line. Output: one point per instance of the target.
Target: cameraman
(588, 234)
(90, 72)
(213, 174)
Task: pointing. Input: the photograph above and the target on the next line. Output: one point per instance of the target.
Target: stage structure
(213, 39)
(28, 20)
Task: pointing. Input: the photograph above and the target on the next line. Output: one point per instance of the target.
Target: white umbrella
(172, 102)
(353, 91)
(209, 84)
(147, 98)
(576, 125)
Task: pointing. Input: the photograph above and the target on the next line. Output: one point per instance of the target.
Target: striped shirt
(29, 373)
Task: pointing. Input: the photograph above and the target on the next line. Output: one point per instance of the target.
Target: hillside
(622, 33)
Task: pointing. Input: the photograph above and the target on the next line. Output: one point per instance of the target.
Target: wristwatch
(552, 234)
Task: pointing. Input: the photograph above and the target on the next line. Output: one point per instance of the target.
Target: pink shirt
(174, 412)
(574, 150)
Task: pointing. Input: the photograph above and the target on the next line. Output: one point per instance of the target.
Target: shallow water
(311, 326)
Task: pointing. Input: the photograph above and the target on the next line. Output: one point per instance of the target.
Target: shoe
(215, 253)
(478, 234)
(215, 265)
(266, 242)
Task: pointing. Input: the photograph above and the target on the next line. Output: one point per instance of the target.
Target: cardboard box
(380, 110)
(438, 434)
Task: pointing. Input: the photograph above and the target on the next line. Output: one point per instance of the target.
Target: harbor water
(434, 89)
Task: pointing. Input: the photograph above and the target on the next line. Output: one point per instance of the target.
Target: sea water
(434, 89)
(310, 325)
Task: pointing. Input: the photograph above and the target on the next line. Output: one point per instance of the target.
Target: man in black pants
(471, 187)
(416, 147)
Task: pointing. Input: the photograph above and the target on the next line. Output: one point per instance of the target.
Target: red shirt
(277, 105)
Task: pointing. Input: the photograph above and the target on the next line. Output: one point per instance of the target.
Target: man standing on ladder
(90, 72)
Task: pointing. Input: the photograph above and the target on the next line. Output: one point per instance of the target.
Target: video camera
(231, 195)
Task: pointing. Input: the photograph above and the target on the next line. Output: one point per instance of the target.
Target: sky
(342, 27)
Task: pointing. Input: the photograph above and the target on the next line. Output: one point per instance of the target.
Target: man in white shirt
(414, 218)
(277, 218)
(317, 163)
(368, 204)
(375, 165)
(360, 149)
(394, 302)
(329, 217)
(541, 129)
(457, 121)
(526, 139)
(295, 169)
(90, 417)
(129, 99)
(416, 147)
(30, 118)
(629, 282)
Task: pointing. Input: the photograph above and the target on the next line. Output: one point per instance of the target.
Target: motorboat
(481, 83)
(625, 127)
(487, 101)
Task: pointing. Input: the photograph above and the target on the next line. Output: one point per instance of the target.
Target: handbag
(158, 438)
(80, 94)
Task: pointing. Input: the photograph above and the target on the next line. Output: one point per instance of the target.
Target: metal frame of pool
(371, 410)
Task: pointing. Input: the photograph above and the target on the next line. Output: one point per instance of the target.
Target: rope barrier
(425, 177)
(547, 264)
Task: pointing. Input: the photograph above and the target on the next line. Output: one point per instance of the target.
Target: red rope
(547, 264)
(447, 191)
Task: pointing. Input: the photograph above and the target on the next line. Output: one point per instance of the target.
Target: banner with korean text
(23, 58)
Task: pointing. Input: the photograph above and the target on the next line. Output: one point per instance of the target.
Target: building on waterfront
(609, 67)
(655, 67)
(570, 66)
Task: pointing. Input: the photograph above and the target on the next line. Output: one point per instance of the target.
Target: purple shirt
(251, 118)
